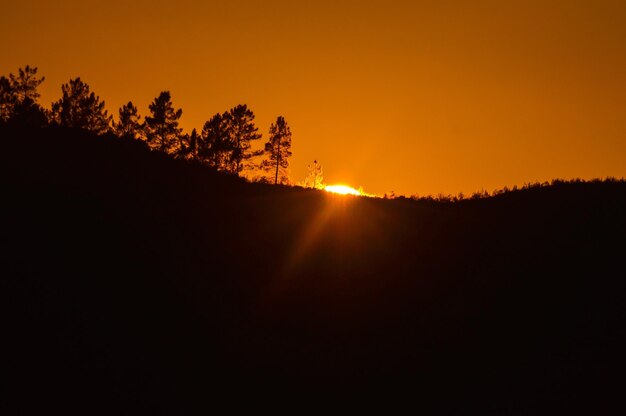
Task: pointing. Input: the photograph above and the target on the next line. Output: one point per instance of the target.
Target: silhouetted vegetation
(314, 177)
(225, 143)
(214, 148)
(80, 108)
(483, 194)
(135, 280)
(18, 98)
(278, 149)
(129, 124)
(240, 132)
(161, 128)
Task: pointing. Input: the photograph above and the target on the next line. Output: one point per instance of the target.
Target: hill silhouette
(130, 278)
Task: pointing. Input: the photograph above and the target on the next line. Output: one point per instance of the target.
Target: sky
(415, 97)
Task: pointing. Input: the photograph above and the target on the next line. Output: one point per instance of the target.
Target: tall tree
(214, 146)
(129, 124)
(81, 108)
(241, 132)
(161, 128)
(278, 150)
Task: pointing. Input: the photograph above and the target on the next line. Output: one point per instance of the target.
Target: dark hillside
(129, 277)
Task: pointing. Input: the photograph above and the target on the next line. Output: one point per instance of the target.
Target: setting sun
(342, 190)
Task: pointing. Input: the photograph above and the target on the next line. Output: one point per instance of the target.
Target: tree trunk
(277, 162)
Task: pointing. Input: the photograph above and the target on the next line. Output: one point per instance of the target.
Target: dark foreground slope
(129, 279)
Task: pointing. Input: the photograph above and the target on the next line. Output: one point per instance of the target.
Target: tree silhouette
(241, 131)
(7, 99)
(161, 129)
(25, 84)
(80, 108)
(188, 146)
(129, 125)
(18, 98)
(213, 147)
(278, 149)
(314, 177)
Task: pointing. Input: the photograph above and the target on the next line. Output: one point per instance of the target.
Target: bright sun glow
(342, 189)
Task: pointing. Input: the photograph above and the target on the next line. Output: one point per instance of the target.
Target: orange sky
(416, 96)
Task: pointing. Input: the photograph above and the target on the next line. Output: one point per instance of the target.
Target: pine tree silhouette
(25, 84)
(241, 132)
(188, 149)
(213, 146)
(129, 124)
(278, 150)
(161, 128)
(81, 108)
(18, 98)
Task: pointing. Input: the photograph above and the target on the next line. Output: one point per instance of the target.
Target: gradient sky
(417, 97)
